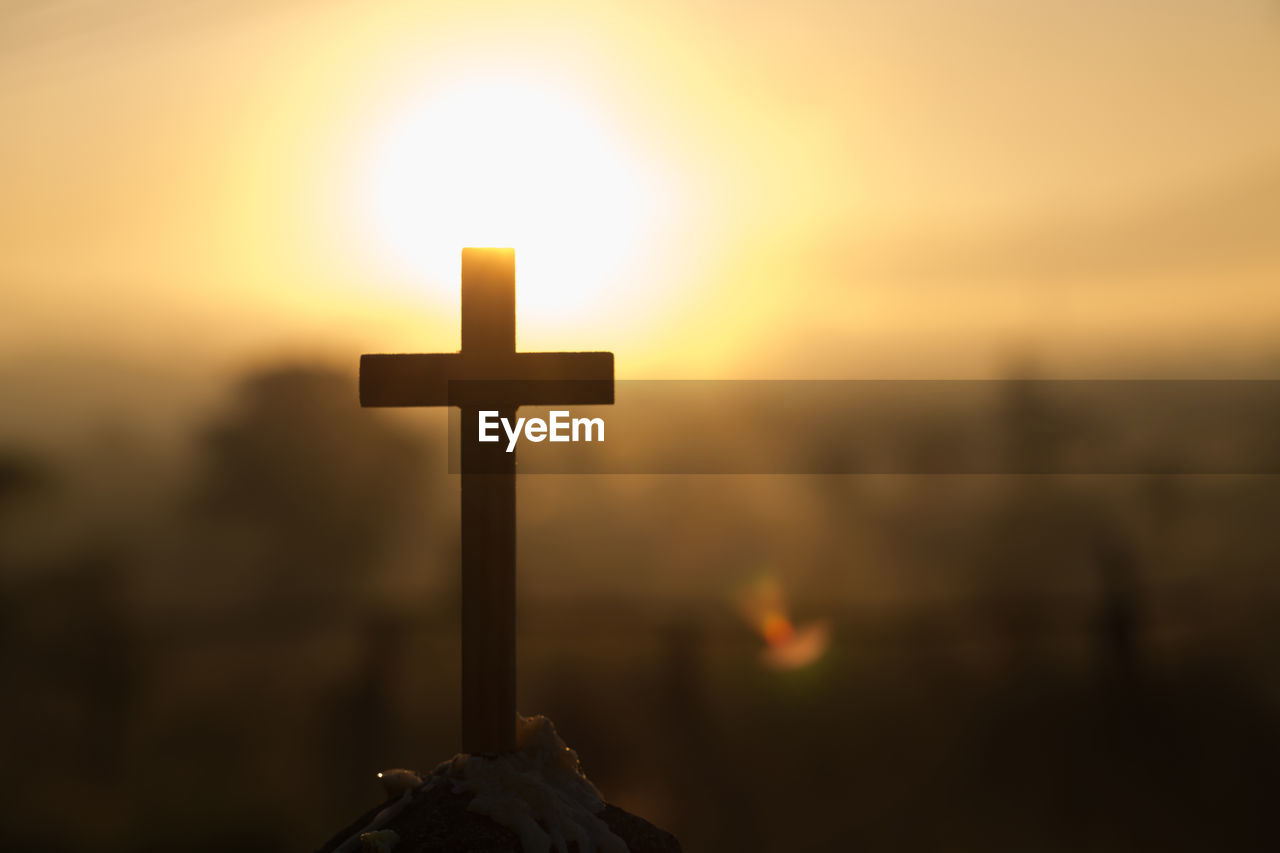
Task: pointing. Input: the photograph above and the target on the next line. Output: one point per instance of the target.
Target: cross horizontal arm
(408, 380)
(527, 378)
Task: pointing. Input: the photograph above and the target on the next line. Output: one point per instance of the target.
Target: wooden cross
(487, 374)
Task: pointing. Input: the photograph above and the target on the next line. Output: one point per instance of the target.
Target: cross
(487, 374)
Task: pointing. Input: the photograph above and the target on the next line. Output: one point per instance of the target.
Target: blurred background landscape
(228, 596)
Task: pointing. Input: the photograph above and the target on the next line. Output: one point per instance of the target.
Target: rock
(434, 818)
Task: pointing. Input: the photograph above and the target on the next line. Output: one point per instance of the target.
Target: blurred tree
(19, 475)
(309, 486)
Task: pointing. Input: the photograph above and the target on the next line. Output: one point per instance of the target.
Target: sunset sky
(710, 189)
(930, 609)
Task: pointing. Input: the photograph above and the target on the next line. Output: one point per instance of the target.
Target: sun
(509, 161)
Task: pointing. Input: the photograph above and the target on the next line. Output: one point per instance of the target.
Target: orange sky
(927, 187)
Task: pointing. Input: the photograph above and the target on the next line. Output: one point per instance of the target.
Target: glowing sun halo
(509, 163)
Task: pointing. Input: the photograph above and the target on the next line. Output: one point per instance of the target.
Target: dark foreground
(437, 819)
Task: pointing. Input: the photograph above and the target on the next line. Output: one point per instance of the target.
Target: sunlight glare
(788, 645)
(506, 162)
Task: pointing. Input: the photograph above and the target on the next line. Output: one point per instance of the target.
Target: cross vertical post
(488, 516)
(488, 591)
(487, 375)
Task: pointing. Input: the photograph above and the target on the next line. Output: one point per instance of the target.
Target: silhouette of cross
(487, 374)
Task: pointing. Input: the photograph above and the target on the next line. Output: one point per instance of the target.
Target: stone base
(436, 819)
